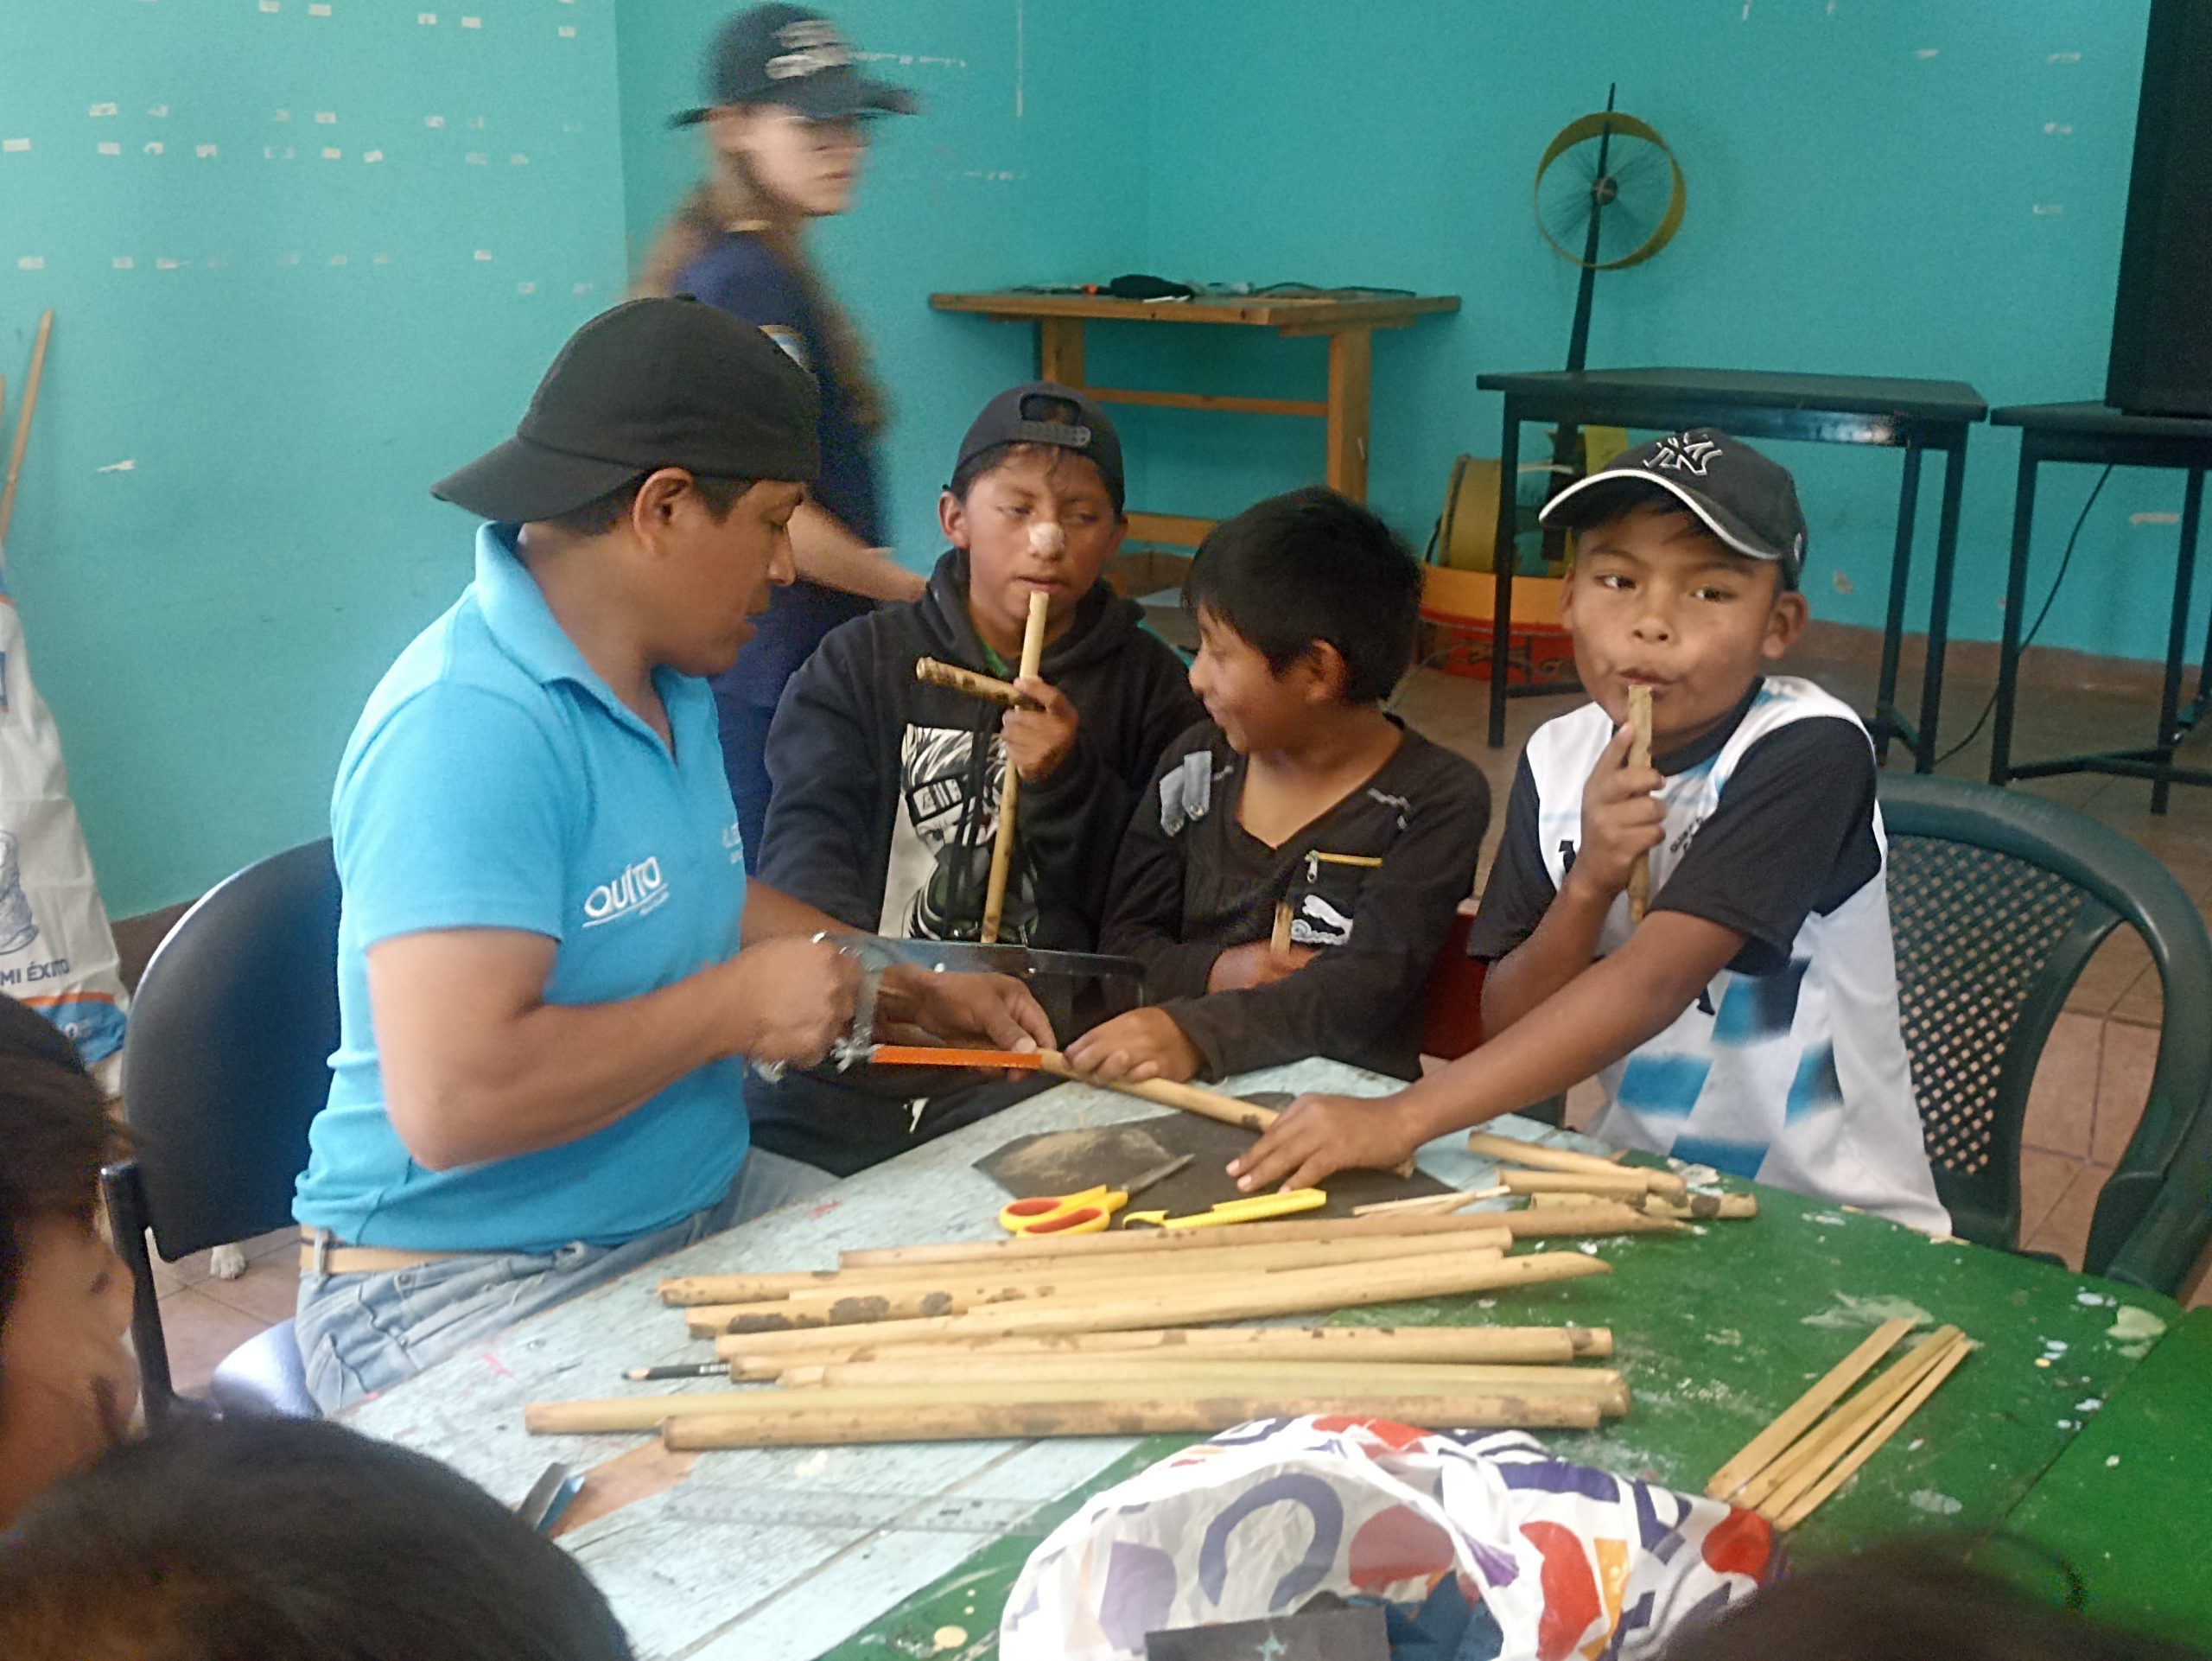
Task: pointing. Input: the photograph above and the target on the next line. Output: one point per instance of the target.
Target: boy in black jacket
(1302, 798)
(886, 791)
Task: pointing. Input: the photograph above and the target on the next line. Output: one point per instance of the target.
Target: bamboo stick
(957, 1294)
(23, 421)
(1257, 1377)
(1818, 1494)
(1291, 1291)
(1222, 1250)
(1279, 939)
(1787, 1478)
(1114, 1241)
(1628, 1183)
(1704, 1207)
(618, 1414)
(813, 1426)
(1191, 1098)
(1032, 652)
(931, 671)
(1639, 756)
(1540, 1156)
(1527, 1345)
(1577, 1215)
(1796, 1419)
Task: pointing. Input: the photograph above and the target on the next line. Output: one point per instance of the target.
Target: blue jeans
(362, 1334)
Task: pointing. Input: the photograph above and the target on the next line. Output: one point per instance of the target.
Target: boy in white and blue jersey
(1750, 1022)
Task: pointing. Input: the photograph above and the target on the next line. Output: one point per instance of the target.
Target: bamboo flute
(809, 1425)
(932, 672)
(928, 1300)
(1289, 1292)
(1639, 756)
(1530, 1345)
(1032, 652)
(1225, 1252)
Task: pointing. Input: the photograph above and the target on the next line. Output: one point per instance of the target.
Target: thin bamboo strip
(1421, 1203)
(816, 1427)
(1818, 1494)
(1821, 1446)
(1531, 1345)
(1796, 1419)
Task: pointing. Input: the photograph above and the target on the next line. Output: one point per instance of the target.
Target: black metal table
(2102, 436)
(1913, 416)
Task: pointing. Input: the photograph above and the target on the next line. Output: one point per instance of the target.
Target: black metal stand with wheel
(1914, 416)
(2102, 436)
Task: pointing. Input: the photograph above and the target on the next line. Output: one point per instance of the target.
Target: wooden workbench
(790, 1552)
(1348, 318)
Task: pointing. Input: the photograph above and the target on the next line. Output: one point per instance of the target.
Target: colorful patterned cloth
(1549, 1560)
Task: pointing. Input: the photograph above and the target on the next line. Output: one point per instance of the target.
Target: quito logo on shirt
(639, 889)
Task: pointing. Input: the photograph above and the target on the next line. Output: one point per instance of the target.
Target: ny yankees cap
(794, 57)
(650, 384)
(1744, 499)
(1046, 412)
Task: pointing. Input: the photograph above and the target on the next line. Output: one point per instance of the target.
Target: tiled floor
(2089, 1089)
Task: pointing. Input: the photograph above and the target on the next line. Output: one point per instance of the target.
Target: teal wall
(1877, 186)
(223, 534)
(1027, 163)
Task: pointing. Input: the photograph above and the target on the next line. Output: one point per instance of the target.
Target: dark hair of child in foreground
(288, 1540)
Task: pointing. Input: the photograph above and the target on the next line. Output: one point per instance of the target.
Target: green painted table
(782, 1554)
(2125, 1504)
(1717, 1332)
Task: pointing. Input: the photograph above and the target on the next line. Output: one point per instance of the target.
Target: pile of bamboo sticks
(1791, 1467)
(1106, 1334)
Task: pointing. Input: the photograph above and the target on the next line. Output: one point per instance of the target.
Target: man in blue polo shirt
(544, 1007)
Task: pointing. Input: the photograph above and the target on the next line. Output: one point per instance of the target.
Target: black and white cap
(1744, 499)
(791, 56)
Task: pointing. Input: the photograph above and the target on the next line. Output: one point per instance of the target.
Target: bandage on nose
(1047, 537)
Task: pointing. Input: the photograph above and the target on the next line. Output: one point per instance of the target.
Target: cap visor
(521, 481)
(1588, 500)
(840, 97)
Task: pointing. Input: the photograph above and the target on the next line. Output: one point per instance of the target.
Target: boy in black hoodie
(885, 792)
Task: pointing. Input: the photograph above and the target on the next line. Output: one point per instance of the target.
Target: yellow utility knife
(1258, 1208)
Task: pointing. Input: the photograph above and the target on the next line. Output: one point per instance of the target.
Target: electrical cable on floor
(2029, 639)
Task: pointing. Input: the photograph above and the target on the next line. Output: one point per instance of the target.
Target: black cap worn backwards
(1744, 499)
(650, 384)
(794, 57)
(1046, 412)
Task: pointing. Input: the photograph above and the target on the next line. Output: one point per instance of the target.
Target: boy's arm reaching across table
(1599, 1015)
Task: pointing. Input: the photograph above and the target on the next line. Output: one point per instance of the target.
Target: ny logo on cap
(809, 47)
(1682, 453)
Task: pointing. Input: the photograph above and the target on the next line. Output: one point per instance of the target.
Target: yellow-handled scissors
(1088, 1213)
